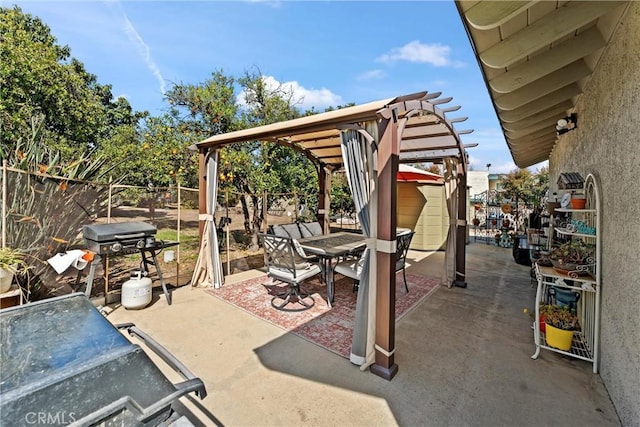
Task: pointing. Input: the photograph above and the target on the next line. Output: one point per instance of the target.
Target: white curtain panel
(451, 193)
(372, 129)
(215, 265)
(359, 162)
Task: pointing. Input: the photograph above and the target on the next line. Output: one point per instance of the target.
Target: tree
(249, 168)
(517, 185)
(39, 78)
(520, 185)
(540, 185)
(205, 109)
(341, 198)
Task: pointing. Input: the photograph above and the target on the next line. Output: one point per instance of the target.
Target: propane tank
(136, 292)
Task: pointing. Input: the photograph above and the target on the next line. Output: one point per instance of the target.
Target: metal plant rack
(587, 282)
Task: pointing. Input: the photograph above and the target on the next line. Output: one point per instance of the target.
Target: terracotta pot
(578, 203)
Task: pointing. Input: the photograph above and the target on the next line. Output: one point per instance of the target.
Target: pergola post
(461, 229)
(387, 153)
(324, 197)
(202, 191)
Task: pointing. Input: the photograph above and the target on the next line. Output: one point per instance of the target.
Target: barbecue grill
(63, 362)
(119, 238)
(124, 238)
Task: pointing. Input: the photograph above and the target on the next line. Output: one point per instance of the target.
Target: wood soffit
(537, 58)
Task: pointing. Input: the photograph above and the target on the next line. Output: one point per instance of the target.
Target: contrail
(144, 50)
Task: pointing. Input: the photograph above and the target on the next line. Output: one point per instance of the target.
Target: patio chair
(292, 230)
(278, 230)
(353, 267)
(285, 263)
(402, 248)
(310, 229)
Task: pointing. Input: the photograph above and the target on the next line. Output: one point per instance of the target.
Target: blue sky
(330, 52)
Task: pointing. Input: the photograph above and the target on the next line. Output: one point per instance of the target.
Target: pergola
(408, 129)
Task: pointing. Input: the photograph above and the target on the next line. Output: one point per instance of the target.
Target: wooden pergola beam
(388, 149)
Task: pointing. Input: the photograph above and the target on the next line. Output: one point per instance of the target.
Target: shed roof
(429, 135)
(536, 58)
(408, 173)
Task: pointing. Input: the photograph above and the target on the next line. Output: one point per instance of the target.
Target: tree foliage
(79, 119)
(341, 198)
(250, 168)
(524, 186)
(205, 109)
(39, 78)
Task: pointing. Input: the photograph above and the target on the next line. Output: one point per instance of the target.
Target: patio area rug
(331, 328)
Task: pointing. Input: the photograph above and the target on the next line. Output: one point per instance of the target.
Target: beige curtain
(451, 193)
(359, 158)
(208, 269)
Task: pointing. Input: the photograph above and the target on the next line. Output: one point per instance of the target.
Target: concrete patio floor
(464, 358)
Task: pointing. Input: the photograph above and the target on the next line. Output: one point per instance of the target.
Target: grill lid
(117, 231)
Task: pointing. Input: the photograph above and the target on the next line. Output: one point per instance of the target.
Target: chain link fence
(43, 216)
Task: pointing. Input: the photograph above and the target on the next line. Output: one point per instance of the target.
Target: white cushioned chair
(290, 265)
(353, 267)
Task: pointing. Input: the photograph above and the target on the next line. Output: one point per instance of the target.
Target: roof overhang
(428, 134)
(536, 58)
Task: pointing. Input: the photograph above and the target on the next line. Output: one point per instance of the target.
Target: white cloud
(480, 164)
(305, 98)
(143, 50)
(372, 75)
(435, 54)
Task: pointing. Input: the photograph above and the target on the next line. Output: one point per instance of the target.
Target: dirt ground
(237, 254)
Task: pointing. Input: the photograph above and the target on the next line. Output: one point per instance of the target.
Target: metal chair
(353, 267)
(403, 241)
(288, 264)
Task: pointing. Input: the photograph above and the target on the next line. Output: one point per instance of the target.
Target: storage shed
(422, 207)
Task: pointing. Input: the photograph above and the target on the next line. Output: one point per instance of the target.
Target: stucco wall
(607, 144)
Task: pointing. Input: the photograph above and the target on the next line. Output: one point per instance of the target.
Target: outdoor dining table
(330, 246)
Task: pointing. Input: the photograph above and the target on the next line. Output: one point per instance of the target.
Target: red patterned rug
(331, 328)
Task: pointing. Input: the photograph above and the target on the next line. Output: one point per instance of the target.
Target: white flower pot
(6, 277)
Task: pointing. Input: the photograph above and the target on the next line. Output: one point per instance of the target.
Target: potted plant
(572, 257)
(560, 323)
(543, 309)
(11, 261)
